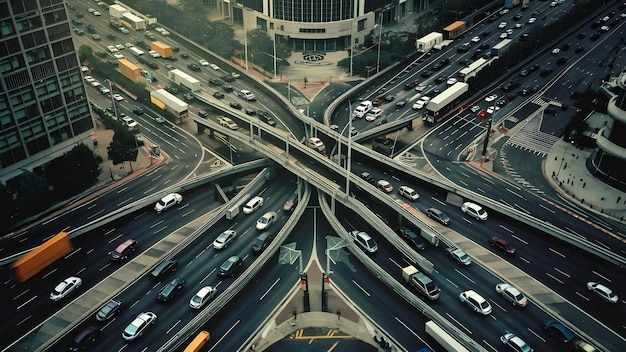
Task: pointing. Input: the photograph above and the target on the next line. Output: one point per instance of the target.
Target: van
(252, 205)
(362, 109)
(246, 94)
(262, 242)
(124, 250)
(85, 340)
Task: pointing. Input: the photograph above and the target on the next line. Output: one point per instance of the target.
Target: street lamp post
(380, 35)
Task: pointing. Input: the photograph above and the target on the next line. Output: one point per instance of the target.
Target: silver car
(137, 327)
(512, 294)
(515, 343)
(202, 297)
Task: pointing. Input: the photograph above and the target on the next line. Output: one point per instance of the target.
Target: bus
(439, 106)
(471, 70)
(200, 340)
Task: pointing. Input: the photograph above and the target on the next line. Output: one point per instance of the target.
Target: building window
(312, 30)
(361, 25)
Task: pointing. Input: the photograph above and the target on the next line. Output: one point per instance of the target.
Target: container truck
(444, 339)
(135, 22)
(428, 42)
(129, 70)
(163, 49)
(422, 283)
(39, 258)
(170, 103)
(117, 10)
(183, 79)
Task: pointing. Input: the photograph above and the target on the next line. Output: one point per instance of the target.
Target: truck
(164, 50)
(429, 236)
(117, 10)
(438, 107)
(427, 42)
(133, 21)
(39, 258)
(129, 70)
(422, 283)
(183, 79)
(442, 44)
(168, 102)
(135, 51)
(500, 48)
(445, 340)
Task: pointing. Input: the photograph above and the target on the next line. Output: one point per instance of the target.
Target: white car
(112, 48)
(97, 13)
(124, 30)
(491, 98)
(227, 122)
(84, 69)
(408, 193)
(118, 56)
(89, 79)
(384, 186)
(491, 109)
(65, 287)
(118, 97)
(204, 62)
(502, 25)
(266, 220)
(373, 114)
(421, 103)
(252, 205)
(214, 66)
(504, 35)
(476, 39)
(364, 240)
(509, 31)
(476, 302)
(138, 326)
(91, 10)
(475, 108)
(451, 81)
(167, 202)
(459, 255)
(224, 239)
(202, 297)
(119, 46)
(602, 291)
(555, 51)
(531, 20)
(512, 294)
(316, 143)
(515, 343)
(474, 210)
(129, 45)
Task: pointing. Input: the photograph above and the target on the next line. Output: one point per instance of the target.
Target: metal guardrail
(188, 330)
(397, 287)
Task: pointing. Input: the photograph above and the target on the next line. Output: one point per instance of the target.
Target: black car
(579, 49)
(215, 82)
(436, 67)
(193, 67)
(228, 78)
(109, 309)
(85, 340)
(218, 95)
(236, 105)
(518, 16)
(561, 61)
(111, 36)
(76, 21)
(410, 237)
(367, 177)
(534, 68)
(410, 85)
(249, 112)
(438, 215)
(440, 79)
(546, 71)
(153, 65)
(266, 118)
(142, 44)
(188, 97)
(170, 290)
(228, 88)
(175, 49)
(426, 73)
(184, 56)
(203, 113)
(165, 266)
(138, 110)
(231, 266)
(91, 29)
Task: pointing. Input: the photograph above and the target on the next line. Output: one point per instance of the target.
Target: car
(605, 28)
(476, 302)
(203, 113)
(373, 114)
(524, 73)
(224, 239)
(193, 67)
(523, 37)
(367, 177)
(438, 215)
(515, 343)
(559, 330)
(227, 88)
(545, 72)
(227, 122)
(138, 326)
(475, 39)
(266, 220)
(491, 109)
(491, 98)
(167, 202)
(95, 84)
(411, 238)
(96, 37)
(169, 290)
(353, 131)
(420, 87)
(64, 288)
(364, 241)
(555, 51)
(231, 266)
(411, 84)
(266, 118)
(85, 340)
(203, 296)
(475, 108)
(512, 294)
(518, 26)
(89, 79)
(214, 66)
(316, 143)
(261, 242)
(459, 255)
(291, 203)
(583, 346)
(104, 90)
(426, 73)
(504, 35)
(579, 49)
(421, 103)
(451, 81)
(91, 10)
(252, 205)
(118, 56)
(97, 13)
(474, 210)
(215, 82)
(247, 95)
(518, 16)
(502, 25)
(440, 79)
(408, 193)
(218, 95)
(76, 21)
(606, 293)
(203, 62)
(124, 249)
(109, 310)
(112, 49)
(137, 110)
(164, 267)
(124, 30)
(118, 97)
(562, 60)
(172, 90)
(79, 31)
(534, 68)
(384, 186)
(401, 103)
(188, 96)
(502, 245)
(129, 122)
(235, 105)
(227, 78)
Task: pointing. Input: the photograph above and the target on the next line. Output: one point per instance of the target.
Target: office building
(44, 110)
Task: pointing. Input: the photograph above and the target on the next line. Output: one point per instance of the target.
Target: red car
(502, 245)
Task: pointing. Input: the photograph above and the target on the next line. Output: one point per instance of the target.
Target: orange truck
(128, 69)
(39, 258)
(163, 49)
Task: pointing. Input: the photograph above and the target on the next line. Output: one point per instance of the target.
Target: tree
(32, 189)
(123, 147)
(85, 52)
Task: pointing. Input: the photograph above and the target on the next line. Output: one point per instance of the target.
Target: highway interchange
(559, 266)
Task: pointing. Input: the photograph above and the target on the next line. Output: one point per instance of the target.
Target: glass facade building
(44, 110)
